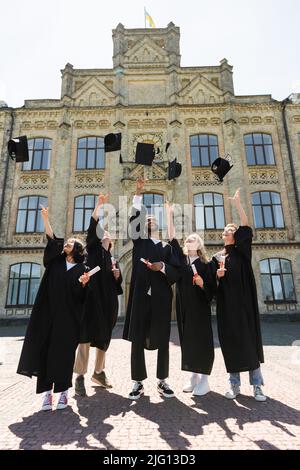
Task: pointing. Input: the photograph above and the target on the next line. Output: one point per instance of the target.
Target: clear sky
(260, 38)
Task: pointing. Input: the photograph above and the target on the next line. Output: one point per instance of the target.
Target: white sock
(194, 376)
(98, 371)
(204, 378)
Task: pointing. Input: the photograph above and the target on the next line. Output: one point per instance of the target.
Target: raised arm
(45, 217)
(237, 203)
(170, 220)
(95, 231)
(137, 218)
(102, 199)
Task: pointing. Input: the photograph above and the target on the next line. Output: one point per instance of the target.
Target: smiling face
(151, 224)
(193, 242)
(68, 246)
(228, 234)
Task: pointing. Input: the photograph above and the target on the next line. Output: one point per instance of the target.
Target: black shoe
(79, 386)
(137, 391)
(164, 390)
(101, 379)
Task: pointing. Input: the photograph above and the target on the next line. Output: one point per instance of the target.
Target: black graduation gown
(53, 331)
(193, 314)
(148, 317)
(237, 307)
(101, 308)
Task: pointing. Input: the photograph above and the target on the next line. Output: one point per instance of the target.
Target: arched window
(29, 214)
(209, 211)
(24, 279)
(277, 280)
(39, 150)
(259, 149)
(204, 149)
(90, 153)
(155, 206)
(267, 210)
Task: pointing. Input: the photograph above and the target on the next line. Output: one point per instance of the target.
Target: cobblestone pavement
(106, 419)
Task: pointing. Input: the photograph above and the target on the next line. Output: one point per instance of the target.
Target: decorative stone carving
(34, 180)
(18, 312)
(271, 235)
(87, 179)
(94, 93)
(263, 175)
(199, 90)
(204, 177)
(282, 307)
(146, 53)
(212, 236)
(25, 239)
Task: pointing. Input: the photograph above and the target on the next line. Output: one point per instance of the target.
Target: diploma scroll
(147, 262)
(92, 271)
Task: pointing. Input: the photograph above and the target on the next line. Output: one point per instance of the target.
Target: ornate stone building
(149, 97)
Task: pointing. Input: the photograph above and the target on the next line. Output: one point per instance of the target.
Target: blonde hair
(201, 251)
(231, 225)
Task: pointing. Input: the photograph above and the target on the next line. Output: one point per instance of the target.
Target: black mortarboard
(221, 166)
(174, 169)
(112, 142)
(144, 154)
(18, 149)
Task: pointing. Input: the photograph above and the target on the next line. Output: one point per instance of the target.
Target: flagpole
(145, 16)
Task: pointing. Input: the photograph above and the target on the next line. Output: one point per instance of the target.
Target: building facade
(149, 97)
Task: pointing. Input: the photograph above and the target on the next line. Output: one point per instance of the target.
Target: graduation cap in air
(221, 166)
(112, 142)
(144, 154)
(174, 169)
(18, 149)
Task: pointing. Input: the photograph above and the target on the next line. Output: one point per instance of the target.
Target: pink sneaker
(63, 401)
(47, 402)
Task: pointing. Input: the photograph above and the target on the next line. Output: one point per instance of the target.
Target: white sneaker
(191, 384)
(233, 392)
(137, 391)
(202, 388)
(63, 401)
(258, 393)
(47, 402)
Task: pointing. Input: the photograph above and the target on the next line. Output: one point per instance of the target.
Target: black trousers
(43, 385)
(138, 365)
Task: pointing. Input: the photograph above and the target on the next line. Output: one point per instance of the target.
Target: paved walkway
(108, 420)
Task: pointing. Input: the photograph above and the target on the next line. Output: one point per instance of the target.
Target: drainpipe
(290, 154)
(12, 114)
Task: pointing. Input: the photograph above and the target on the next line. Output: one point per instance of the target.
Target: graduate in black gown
(237, 306)
(194, 292)
(101, 307)
(148, 316)
(53, 332)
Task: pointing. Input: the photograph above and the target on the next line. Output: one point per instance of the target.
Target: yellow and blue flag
(149, 20)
